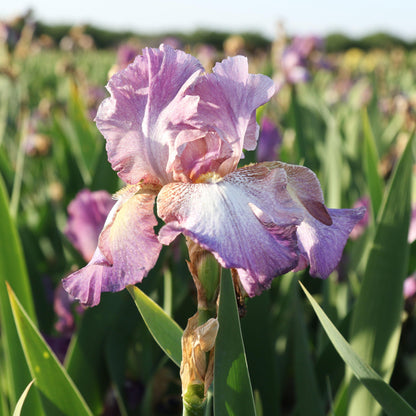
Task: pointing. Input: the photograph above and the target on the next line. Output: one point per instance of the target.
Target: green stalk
(206, 273)
(194, 401)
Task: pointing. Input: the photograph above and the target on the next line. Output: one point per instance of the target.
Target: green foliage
(375, 331)
(13, 272)
(381, 40)
(392, 403)
(105, 38)
(21, 401)
(232, 386)
(165, 331)
(59, 394)
(336, 42)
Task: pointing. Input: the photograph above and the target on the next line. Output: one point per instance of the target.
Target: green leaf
(308, 396)
(163, 328)
(21, 401)
(233, 394)
(104, 328)
(371, 160)
(13, 270)
(297, 123)
(84, 360)
(409, 393)
(388, 398)
(375, 328)
(59, 393)
(261, 356)
(333, 166)
(85, 144)
(104, 176)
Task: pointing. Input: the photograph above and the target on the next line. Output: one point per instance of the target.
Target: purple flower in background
(94, 96)
(361, 225)
(409, 287)
(125, 55)
(305, 45)
(297, 58)
(87, 215)
(206, 55)
(8, 35)
(269, 141)
(177, 134)
(293, 66)
(173, 42)
(62, 307)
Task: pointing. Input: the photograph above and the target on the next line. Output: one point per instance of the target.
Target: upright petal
(248, 221)
(135, 120)
(127, 249)
(229, 97)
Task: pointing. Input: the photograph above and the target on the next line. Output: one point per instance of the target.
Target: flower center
(209, 177)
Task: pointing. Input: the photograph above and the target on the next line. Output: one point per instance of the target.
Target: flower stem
(199, 336)
(194, 401)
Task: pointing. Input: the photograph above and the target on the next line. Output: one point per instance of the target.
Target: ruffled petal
(247, 220)
(135, 120)
(229, 97)
(323, 244)
(127, 249)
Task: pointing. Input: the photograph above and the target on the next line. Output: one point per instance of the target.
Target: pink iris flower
(175, 135)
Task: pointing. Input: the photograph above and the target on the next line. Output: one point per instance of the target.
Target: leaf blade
(13, 268)
(389, 399)
(375, 329)
(371, 160)
(306, 386)
(58, 390)
(21, 401)
(163, 328)
(233, 393)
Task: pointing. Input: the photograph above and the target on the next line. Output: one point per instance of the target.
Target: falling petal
(323, 244)
(128, 248)
(247, 220)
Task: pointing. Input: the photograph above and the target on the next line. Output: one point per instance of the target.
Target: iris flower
(175, 135)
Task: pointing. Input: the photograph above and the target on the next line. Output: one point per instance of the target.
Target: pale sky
(320, 17)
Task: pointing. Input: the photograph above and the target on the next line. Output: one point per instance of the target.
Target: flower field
(126, 212)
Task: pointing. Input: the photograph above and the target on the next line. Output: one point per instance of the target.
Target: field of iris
(348, 116)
